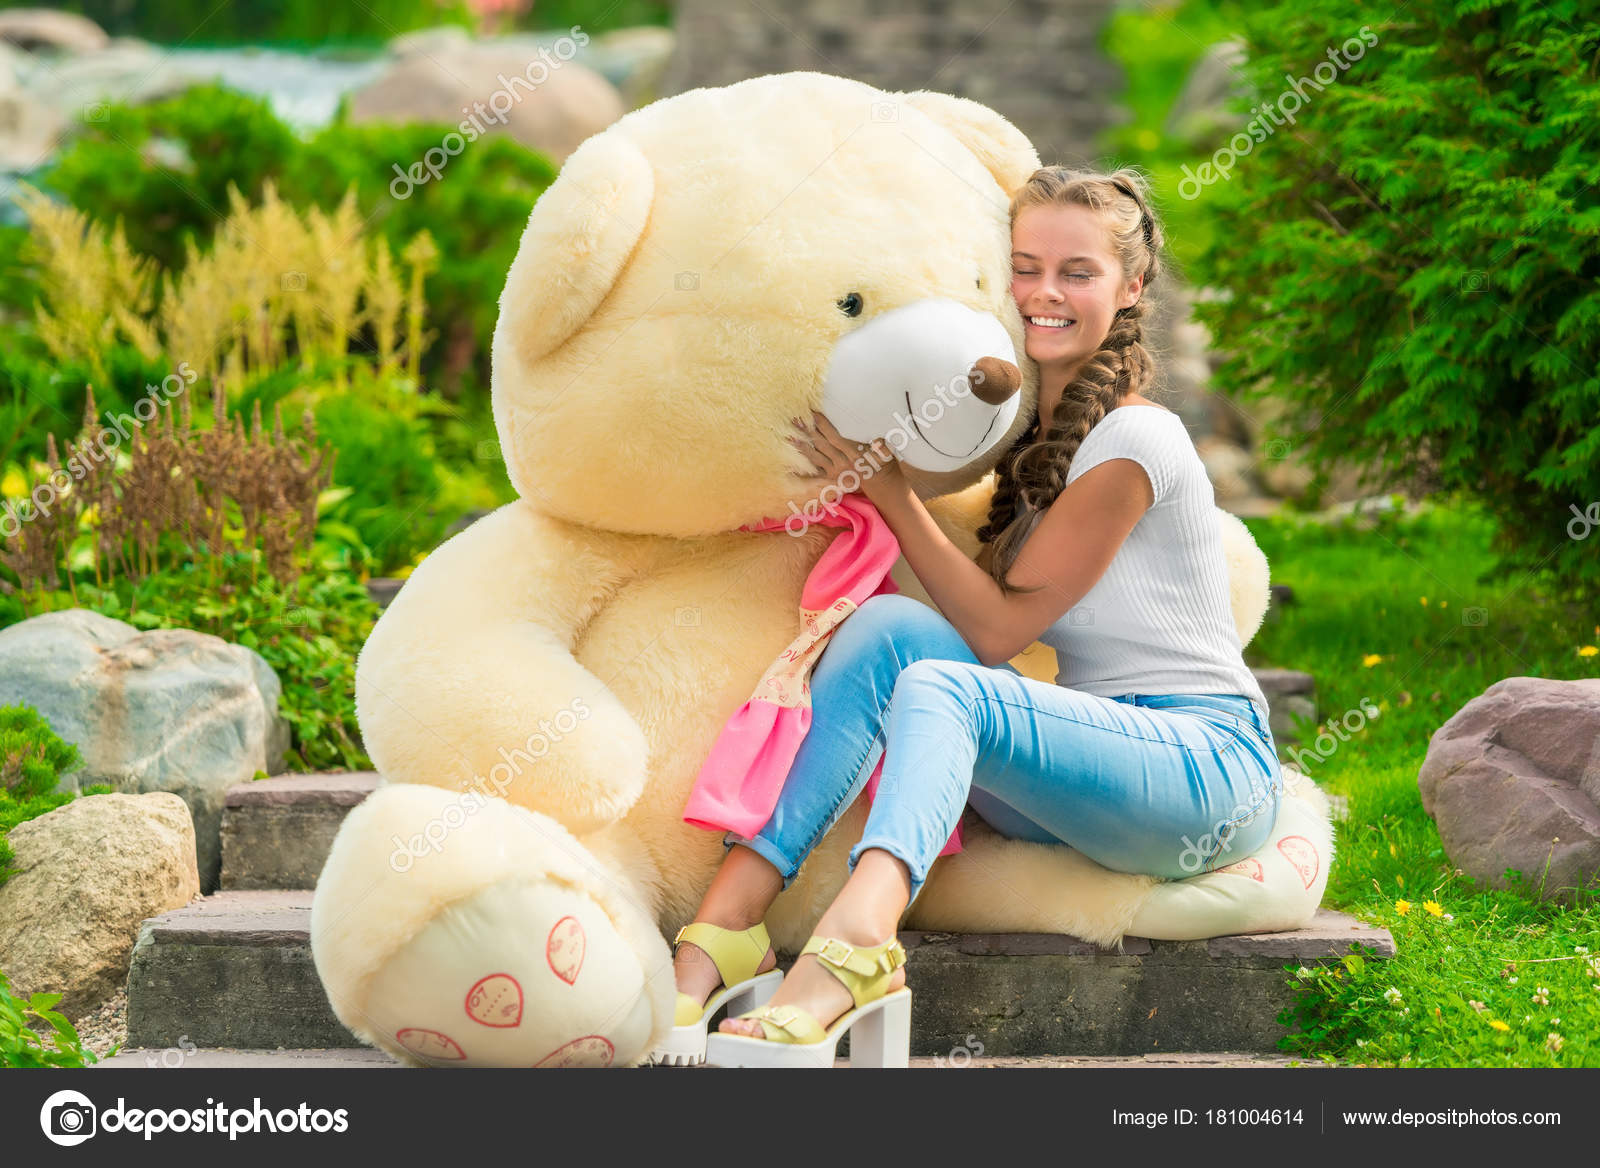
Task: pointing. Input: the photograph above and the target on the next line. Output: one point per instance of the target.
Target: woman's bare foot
(740, 894)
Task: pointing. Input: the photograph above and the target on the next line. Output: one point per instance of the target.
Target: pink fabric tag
(738, 784)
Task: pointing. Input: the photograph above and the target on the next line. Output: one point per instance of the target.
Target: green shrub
(32, 761)
(1413, 268)
(21, 1046)
(292, 22)
(125, 168)
(41, 394)
(316, 22)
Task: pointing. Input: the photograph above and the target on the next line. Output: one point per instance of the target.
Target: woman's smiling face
(1067, 283)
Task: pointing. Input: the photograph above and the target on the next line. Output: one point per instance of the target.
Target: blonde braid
(1034, 473)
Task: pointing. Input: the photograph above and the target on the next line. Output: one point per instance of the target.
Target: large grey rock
(569, 103)
(129, 72)
(29, 128)
(87, 874)
(1513, 781)
(45, 28)
(169, 710)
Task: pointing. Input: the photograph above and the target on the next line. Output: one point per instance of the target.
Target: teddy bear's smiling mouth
(910, 413)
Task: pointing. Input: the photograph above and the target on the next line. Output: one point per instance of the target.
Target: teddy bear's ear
(1002, 148)
(579, 236)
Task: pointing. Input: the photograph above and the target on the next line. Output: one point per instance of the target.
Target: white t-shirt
(1160, 620)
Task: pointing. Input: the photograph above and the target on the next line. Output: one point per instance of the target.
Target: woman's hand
(868, 467)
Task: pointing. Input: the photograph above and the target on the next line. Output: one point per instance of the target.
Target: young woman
(1150, 755)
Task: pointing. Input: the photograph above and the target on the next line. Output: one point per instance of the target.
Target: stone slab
(176, 1058)
(277, 832)
(362, 1058)
(1290, 694)
(1028, 994)
(235, 970)
(231, 970)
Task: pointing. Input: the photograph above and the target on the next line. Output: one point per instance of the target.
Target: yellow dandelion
(13, 486)
(1498, 1025)
(1372, 659)
(1444, 604)
(1588, 651)
(1424, 600)
(1434, 907)
(1394, 851)
(1402, 907)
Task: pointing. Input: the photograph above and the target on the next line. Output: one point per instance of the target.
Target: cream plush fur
(540, 695)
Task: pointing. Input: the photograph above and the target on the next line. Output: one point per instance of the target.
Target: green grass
(1409, 615)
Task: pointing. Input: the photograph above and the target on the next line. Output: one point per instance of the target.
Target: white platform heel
(879, 1024)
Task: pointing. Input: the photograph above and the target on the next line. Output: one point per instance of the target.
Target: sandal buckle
(823, 955)
(779, 1015)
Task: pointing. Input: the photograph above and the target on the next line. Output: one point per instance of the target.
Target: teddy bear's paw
(524, 973)
(488, 937)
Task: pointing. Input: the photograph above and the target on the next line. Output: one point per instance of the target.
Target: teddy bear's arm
(469, 682)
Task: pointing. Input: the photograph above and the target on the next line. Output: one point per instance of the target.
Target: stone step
(276, 833)
(234, 970)
(1290, 694)
(176, 1058)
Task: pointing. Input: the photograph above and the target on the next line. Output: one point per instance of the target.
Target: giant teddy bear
(540, 695)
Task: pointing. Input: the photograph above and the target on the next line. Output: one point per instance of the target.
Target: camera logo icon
(885, 111)
(1080, 617)
(686, 282)
(68, 1118)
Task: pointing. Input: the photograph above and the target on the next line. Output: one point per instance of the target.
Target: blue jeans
(1167, 785)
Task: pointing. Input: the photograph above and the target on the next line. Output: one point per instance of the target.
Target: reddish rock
(1513, 781)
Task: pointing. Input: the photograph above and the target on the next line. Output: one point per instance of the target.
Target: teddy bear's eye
(852, 304)
(980, 283)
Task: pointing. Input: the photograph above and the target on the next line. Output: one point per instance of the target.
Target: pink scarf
(738, 784)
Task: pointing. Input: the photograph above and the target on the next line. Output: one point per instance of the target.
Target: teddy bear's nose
(994, 380)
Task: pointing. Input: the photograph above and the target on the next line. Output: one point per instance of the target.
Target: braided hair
(1034, 471)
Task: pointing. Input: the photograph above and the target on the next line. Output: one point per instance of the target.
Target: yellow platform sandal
(881, 1021)
(736, 954)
